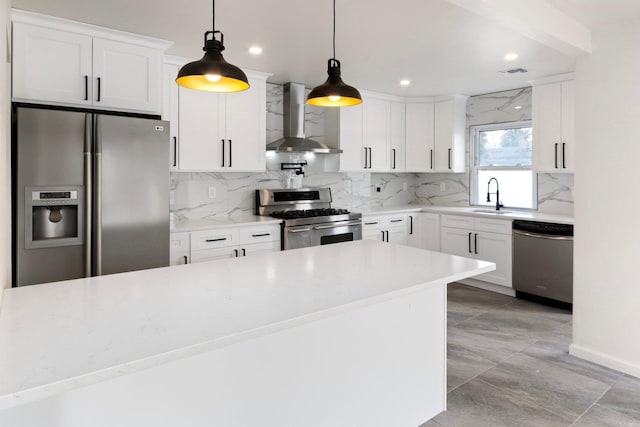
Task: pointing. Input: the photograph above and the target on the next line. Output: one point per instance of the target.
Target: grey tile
(561, 335)
(463, 365)
(624, 397)
(457, 313)
(492, 344)
(476, 298)
(516, 323)
(598, 416)
(541, 311)
(547, 385)
(479, 404)
(558, 353)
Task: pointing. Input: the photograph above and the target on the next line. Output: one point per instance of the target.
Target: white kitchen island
(350, 334)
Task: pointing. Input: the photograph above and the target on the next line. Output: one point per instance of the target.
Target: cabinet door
(170, 106)
(397, 235)
(126, 76)
(420, 154)
(455, 241)
(449, 128)
(414, 230)
(350, 125)
(430, 231)
(201, 134)
(245, 114)
(377, 114)
(495, 248)
(179, 248)
(398, 137)
(51, 65)
(260, 248)
(568, 126)
(547, 128)
(377, 235)
(214, 254)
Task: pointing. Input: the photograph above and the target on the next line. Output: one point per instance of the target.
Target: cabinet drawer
(251, 235)
(179, 242)
(372, 223)
(213, 239)
(396, 221)
(456, 221)
(213, 254)
(501, 226)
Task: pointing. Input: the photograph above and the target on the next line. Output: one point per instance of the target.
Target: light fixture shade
(212, 73)
(334, 92)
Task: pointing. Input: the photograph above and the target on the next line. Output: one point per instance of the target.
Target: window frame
(474, 168)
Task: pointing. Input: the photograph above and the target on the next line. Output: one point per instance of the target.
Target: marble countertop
(61, 336)
(469, 211)
(206, 224)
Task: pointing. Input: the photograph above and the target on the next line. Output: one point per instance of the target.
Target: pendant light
(212, 73)
(334, 92)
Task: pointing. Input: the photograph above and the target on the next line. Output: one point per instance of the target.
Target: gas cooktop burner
(308, 213)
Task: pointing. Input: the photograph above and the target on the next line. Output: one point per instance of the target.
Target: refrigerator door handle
(97, 184)
(88, 184)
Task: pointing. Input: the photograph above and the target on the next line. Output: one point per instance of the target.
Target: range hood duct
(294, 140)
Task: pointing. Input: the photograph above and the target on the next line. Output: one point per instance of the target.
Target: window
(503, 151)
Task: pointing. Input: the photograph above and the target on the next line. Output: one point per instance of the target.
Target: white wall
(5, 147)
(607, 207)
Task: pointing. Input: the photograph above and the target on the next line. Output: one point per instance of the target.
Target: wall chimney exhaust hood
(294, 140)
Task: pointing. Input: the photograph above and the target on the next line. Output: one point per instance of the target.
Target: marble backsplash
(357, 191)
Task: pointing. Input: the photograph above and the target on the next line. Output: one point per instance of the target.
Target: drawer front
(217, 238)
(214, 254)
(501, 226)
(396, 221)
(372, 223)
(456, 221)
(252, 235)
(179, 242)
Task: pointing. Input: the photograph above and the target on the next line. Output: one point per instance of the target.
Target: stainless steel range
(308, 218)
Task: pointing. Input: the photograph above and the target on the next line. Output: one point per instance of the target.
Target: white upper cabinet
(60, 62)
(344, 128)
(377, 118)
(398, 137)
(449, 134)
(214, 131)
(553, 126)
(419, 137)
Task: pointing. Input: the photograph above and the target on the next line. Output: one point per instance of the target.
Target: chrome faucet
(497, 193)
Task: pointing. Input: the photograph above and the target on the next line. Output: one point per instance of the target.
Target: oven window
(337, 238)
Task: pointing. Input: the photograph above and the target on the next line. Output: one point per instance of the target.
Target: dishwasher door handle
(541, 236)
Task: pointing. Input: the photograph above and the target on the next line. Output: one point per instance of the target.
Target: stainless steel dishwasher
(543, 260)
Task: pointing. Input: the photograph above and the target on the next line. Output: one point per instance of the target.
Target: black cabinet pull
(449, 158)
(387, 236)
(475, 243)
(261, 235)
(382, 235)
(99, 89)
(470, 243)
(371, 223)
(556, 154)
(230, 152)
(244, 252)
(186, 260)
(236, 253)
(222, 152)
(216, 240)
(410, 224)
(86, 88)
(394, 158)
(175, 151)
(366, 153)
(396, 220)
(564, 166)
(431, 158)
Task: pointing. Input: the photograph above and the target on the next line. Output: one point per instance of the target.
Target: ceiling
(442, 48)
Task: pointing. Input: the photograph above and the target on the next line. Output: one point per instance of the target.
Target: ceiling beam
(536, 20)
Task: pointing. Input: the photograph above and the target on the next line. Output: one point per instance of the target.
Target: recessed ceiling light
(405, 82)
(518, 107)
(255, 50)
(511, 56)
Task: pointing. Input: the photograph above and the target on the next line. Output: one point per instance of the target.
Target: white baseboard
(605, 360)
(489, 287)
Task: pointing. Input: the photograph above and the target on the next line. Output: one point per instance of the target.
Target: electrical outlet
(212, 192)
(443, 186)
(378, 188)
(404, 186)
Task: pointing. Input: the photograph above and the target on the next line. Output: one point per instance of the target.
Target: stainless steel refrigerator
(90, 194)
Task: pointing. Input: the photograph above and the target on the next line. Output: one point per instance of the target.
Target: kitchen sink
(491, 211)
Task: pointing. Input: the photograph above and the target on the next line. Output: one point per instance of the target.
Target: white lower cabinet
(402, 229)
(480, 238)
(430, 231)
(227, 242)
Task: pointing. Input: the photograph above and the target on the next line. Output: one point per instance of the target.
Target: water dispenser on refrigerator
(53, 217)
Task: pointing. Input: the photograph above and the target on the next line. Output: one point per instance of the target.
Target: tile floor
(508, 365)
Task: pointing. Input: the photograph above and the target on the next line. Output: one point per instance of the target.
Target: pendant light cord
(334, 29)
(213, 15)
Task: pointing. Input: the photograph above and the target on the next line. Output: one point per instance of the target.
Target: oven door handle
(298, 230)
(324, 227)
